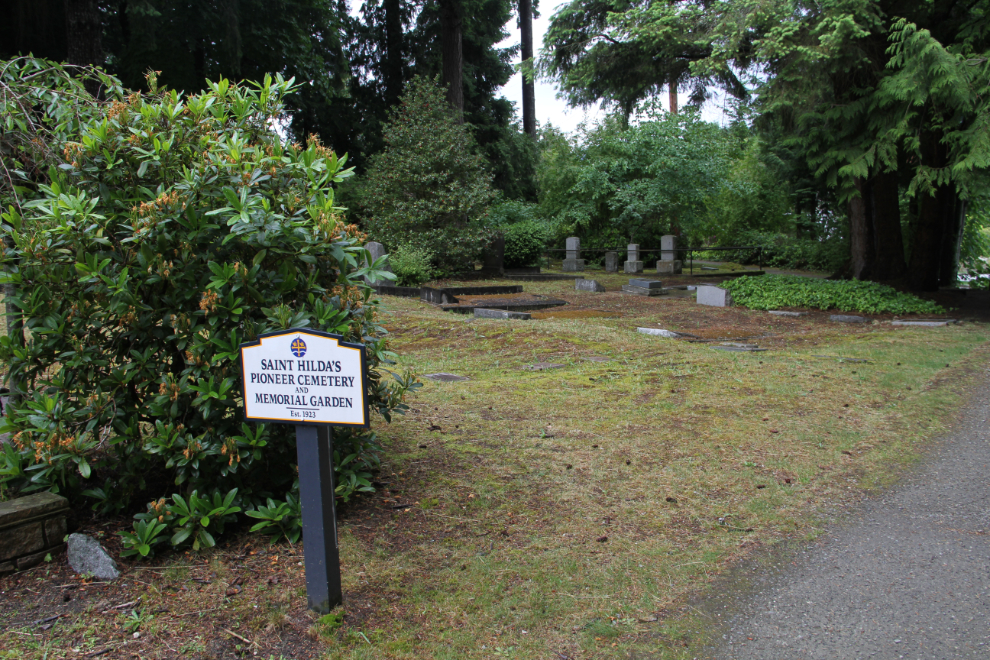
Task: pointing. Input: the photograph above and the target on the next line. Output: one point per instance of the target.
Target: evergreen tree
(429, 187)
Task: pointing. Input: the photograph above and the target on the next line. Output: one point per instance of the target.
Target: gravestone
(494, 261)
(670, 267)
(714, 296)
(376, 250)
(930, 323)
(668, 247)
(482, 313)
(633, 263)
(445, 377)
(793, 315)
(659, 332)
(542, 366)
(573, 263)
(588, 285)
(646, 284)
(611, 262)
(843, 318)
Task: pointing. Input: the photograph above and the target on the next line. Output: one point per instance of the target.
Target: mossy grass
(580, 511)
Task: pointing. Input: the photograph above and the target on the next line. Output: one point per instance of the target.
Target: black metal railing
(756, 249)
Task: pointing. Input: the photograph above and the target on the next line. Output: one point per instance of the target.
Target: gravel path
(909, 577)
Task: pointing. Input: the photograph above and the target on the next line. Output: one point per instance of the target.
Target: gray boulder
(87, 556)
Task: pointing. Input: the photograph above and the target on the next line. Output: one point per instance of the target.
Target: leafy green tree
(595, 52)
(147, 236)
(884, 99)
(617, 185)
(429, 187)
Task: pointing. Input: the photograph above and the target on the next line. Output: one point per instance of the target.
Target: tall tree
(528, 84)
(596, 52)
(451, 48)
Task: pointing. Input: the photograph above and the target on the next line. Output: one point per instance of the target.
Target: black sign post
(314, 449)
(311, 380)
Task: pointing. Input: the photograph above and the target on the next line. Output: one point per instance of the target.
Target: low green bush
(780, 291)
(524, 243)
(411, 264)
(782, 251)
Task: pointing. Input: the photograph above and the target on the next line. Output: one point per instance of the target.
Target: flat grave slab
(542, 366)
(642, 291)
(792, 315)
(646, 284)
(482, 313)
(451, 294)
(740, 349)
(519, 302)
(846, 318)
(659, 332)
(926, 323)
(445, 378)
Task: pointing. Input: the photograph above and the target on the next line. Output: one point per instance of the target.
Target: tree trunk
(954, 223)
(529, 87)
(393, 51)
(672, 96)
(453, 56)
(935, 213)
(887, 236)
(861, 245)
(926, 252)
(85, 32)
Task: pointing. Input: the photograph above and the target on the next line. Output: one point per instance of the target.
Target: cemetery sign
(312, 380)
(304, 377)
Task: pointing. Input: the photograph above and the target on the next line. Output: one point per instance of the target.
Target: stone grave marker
(668, 247)
(482, 313)
(929, 323)
(445, 378)
(793, 315)
(494, 258)
(659, 332)
(376, 250)
(670, 267)
(646, 284)
(739, 349)
(714, 296)
(611, 262)
(588, 285)
(542, 366)
(573, 263)
(845, 318)
(633, 263)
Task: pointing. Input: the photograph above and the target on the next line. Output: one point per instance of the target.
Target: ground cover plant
(781, 291)
(168, 230)
(534, 512)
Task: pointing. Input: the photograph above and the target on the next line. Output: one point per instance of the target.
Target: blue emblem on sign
(298, 347)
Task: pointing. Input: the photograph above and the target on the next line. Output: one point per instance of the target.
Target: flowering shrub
(158, 234)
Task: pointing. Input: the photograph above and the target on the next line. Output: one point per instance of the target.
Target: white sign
(304, 377)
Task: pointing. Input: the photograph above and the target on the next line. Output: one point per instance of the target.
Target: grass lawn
(567, 512)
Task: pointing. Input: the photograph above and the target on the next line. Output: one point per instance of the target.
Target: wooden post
(314, 449)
